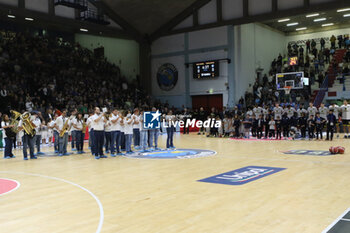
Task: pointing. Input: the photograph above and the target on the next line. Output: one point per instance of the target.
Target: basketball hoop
(287, 89)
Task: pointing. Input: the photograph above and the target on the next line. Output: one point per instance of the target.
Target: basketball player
(323, 111)
(98, 122)
(301, 110)
(278, 111)
(336, 110)
(311, 110)
(257, 110)
(62, 141)
(345, 110)
(290, 111)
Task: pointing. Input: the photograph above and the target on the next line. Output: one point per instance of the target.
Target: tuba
(11, 132)
(27, 124)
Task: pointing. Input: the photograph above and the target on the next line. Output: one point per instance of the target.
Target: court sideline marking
(18, 184)
(99, 228)
(336, 221)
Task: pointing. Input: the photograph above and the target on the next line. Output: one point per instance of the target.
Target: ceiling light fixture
(29, 19)
(83, 30)
(320, 19)
(312, 15)
(347, 15)
(327, 24)
(11, 16)
(292, 24)
(283, 20)
(342, 10)
(300, 29)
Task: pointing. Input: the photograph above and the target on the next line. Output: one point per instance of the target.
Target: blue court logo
(242, 176)
(151, 120)
(308, 152)
(172, 154)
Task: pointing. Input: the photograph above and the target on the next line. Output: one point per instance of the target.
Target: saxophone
(65, 128)
(27, 124)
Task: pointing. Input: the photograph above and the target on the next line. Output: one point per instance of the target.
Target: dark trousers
(266, 130)
(8, 147)
(80, 140)
(286, 132)
(278, 134)
(259, 133)
(186, 129)
(254, 132)
(28, 141)
(303, 132)
(311, 132)
(237, 131)
(319, 132)
(98, 141)
(56, 135)
(136, 133)
(122, 140)
(93, 145)
(37, 142)
(330, 131)
(170, 136)
(74, 138)
(108, 142)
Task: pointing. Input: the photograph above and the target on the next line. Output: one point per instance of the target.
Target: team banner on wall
(167, 76)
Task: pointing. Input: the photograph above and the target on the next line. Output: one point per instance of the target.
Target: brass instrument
(27, 124)
(11, 132)
(65, 128)
(107, 115)
(84, 127)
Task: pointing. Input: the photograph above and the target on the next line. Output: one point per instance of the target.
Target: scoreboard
(208, 69)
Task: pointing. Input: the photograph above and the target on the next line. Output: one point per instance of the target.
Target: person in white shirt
(345, 110)
(277, 111)
(38, 131)
(336, 110)
(170, 120)
(257, 111)
(28, 141)
(143, 135)
(323, 111)
(290, 111)
(6, 124)
(301, 110)
(52, 126)
(62, 141)
(128, 124)
(74, 130)
(115, 132)
(78, 124)
(108, 133)
(311, 110)
(97, 123)
(136, 128)
(153, 135)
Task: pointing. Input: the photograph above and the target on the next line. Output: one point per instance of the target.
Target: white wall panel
(168, 44)
(288, 4)
(257, 7)
(188, 22)
(320, 1)
(208, 38)
(65, 12)
(37, 5)
(232, 9)
(208, 14)
(179, 63)
(10, 2)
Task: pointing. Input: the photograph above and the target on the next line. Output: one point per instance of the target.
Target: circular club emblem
(167, 76)
(7, 186)
(172, 154)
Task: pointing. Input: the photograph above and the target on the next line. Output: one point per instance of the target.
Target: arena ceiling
(146, 16)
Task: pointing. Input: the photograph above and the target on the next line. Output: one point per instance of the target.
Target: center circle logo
(7, 186)
(167, 76)
(172, 154)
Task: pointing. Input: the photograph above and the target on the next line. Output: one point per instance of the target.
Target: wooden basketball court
(80, 194)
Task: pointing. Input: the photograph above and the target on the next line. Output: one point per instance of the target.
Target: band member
(154, 133)
(6, 124)
(170, 121)
(108, 135)
(128, 127)
(52, 126)
(28, 141)
(97, 123)
(143, 135)
(62, 122)
(115, 134)
(38, 131)
(136, 128)
(74, 130)
(122, 131)
(78, 123)
(91, 133)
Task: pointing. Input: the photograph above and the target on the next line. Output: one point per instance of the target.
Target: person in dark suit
(331, 122)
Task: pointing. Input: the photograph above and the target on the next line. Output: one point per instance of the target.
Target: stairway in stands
(318, 95)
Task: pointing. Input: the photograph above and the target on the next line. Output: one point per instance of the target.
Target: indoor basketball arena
(160, 116)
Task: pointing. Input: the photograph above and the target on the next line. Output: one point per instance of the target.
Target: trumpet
(27, 124)
(107, 115)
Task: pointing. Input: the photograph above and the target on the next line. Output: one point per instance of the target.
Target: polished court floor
(80, 194)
